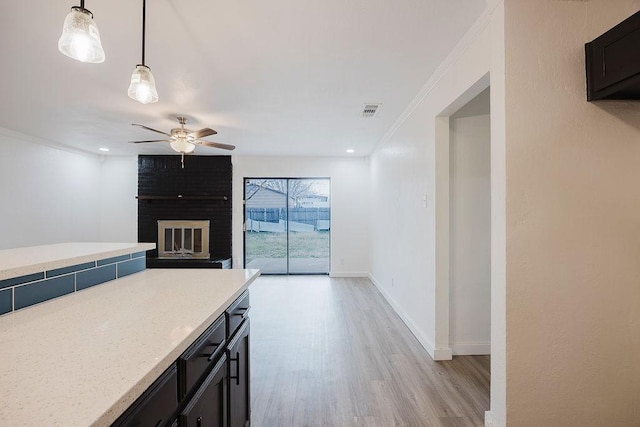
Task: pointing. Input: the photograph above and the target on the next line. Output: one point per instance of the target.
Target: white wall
(119, 206)
(349, 204)
(47, 195)
(470, 223)
(573, 224)
(413, 161)
(53, 195)
(403, 172)
(93, 198)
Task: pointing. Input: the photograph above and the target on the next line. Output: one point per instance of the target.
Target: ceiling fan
(183, 140)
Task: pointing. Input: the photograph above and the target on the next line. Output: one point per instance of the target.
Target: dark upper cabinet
(613, 62)
(239, 385)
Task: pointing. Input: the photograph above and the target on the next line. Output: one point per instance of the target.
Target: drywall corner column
(497, 416)
(573, 224)
(442, 349)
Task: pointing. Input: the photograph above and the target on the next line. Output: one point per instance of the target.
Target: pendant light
(80, 37)
(143, 85)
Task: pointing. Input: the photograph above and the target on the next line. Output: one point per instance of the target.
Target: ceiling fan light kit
(80, 37)
(181, 145)
(183, 140)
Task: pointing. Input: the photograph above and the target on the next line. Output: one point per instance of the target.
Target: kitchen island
(83, 358)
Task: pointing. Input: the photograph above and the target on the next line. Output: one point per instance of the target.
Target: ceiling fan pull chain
(182, 160)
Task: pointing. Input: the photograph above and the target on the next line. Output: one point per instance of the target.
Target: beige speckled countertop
(23, 261)
(83, 358)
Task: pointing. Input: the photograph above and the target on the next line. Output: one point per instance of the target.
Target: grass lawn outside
(274, 245)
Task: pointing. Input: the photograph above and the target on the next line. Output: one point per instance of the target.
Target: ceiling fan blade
(216, 145)
(152, 140)
(151, 129)
(203, 132)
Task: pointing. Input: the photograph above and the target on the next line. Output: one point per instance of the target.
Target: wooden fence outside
(309, 216)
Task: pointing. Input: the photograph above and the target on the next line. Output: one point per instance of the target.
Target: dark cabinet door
(156, 405)
(239, 393)
(237, 313)
(208, 407)
(196, 361)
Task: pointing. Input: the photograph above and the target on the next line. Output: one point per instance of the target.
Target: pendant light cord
(81, 4)
(144, 20)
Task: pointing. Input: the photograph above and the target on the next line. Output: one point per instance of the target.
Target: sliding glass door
(265, 222)
(287, 225)
(308, 226)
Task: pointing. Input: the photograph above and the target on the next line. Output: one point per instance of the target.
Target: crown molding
(11, 134)
(463, 45)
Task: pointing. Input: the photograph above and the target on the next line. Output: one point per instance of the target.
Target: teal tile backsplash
(24, 291)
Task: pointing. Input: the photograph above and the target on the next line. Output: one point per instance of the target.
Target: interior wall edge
(434, 353)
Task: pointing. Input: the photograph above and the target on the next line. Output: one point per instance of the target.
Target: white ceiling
(279, 77)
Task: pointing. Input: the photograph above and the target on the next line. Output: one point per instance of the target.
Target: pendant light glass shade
(80, 37)
(181, 145)
(143, 85)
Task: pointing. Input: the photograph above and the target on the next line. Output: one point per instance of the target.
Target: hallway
(331, 352)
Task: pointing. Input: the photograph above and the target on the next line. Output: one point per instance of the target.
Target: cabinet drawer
(201, 355)
(208, 406)
(236, 313)
(156, 405)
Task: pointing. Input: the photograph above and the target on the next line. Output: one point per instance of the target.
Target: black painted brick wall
(202, 176)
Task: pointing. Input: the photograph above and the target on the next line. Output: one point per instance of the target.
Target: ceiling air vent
(370, 110)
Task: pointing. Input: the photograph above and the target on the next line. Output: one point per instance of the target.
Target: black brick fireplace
(201, 191)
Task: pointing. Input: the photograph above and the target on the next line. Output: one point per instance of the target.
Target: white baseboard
(488, 419)
(435, 353)
(349, 274)
(471, 348)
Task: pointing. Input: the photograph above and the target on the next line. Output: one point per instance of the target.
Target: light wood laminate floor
(331, 352)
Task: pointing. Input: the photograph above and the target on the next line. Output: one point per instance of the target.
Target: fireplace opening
(183, 239)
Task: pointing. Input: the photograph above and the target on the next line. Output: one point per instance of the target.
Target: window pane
(188, 244)
(197, 239)
(168, 238)
(177, 239)
(309, 226)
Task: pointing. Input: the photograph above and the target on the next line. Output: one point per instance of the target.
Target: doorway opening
(470, 227)
(464, 212)
(287, 225)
